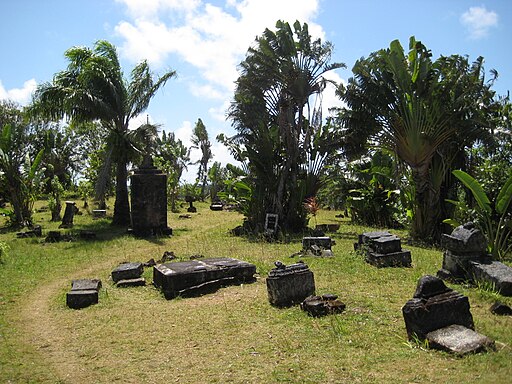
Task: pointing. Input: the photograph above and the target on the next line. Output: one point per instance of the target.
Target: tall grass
(134, 335)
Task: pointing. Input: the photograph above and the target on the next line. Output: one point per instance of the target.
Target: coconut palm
(201, 141)
(93, 88)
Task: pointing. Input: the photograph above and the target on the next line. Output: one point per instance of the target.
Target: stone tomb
(318, 306)
(197, 277)
(289, 285)
(317, 246)
(442, 316)
(149, 202)
(84, 292)
(466, 258)
(382, 249)
(69, 214)
(128, 275)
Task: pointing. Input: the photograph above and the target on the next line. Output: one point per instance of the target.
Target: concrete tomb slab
(496, 273)
(81, 298)
(138, 282)
(127, 271)
(85, 284)
(197, 277)
(459, 340)
(318, 306)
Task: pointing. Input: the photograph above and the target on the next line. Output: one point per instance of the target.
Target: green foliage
(4, 249)
(280, 137)
(201, 141)
(494, 221)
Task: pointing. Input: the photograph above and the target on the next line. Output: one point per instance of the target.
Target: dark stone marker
(327, 227)
(53, 237)
(216, 206)
(198, 277)
(382, 249)
(138, 282)
(318, 306)
(496, 273)
(501, 309)
(85, 285)
(81, 299)
(69, 214)
(317, 246)
(99, 213)
(149, 202)
(435, 306)
(288, 285)
(466, 244)
(459, 340)
(127, 271)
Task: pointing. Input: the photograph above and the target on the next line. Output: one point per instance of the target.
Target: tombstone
(465, 244)
(127, 271)
(466, 258)
(327, 227)
(459, 340)
(99, 213)
(318, 306)
(216, 205)
(69, 214)
(136, 282)
(149, 201)
(289, 285)
(317, 246)
(36, 231)
(382, 249)
(84, 292)
(53, 237)
(435, 306)
(500, 309)
(271, 224)
(198, 277)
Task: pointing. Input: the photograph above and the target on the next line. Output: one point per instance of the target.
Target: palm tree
(277, 128)
(425, 112)
(93, 88)
(201, 141)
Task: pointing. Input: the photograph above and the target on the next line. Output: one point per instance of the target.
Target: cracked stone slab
(459, 340)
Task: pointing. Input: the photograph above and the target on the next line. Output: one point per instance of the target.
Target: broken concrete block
(127, 271)
(81, 299)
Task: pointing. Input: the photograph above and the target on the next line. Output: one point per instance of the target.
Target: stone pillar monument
(149, 200)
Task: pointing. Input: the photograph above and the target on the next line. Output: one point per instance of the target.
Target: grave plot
(197, 277)
(84, 292)
(382, 249)
(466, 259)
(442, 316)
(289, 285)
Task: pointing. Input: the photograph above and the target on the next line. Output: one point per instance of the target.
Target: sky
(204, 41)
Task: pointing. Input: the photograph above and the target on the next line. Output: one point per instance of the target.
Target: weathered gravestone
(198, 277)
(84, 292)
(466, 258)
(465, 244)
(317, 246)
(99, 213)
(128, 275)
(149, 201)
(288, 285)
(190, 200)
(382, 249)
(69, 214)
(318, 306)
(442, 316)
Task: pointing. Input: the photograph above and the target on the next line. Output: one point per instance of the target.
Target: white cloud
(19, 95)
(478, 21)
(213, 39)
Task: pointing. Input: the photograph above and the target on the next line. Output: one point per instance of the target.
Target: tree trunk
(121, 206)
(426, 206)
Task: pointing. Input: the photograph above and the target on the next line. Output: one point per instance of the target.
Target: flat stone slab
(197, 277)
(127, 271)
(81, 299)
(86, 285)
(394, 259)
(318, 306)
(385, 244)
(496, 273)
(139, 282)
(459, 340)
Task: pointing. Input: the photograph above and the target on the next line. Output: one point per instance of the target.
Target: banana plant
(495, 223)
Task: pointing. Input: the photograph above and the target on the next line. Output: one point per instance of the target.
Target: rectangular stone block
(459, 340)
(196, 277)
(495, 273)
(394, 259)
(422, 316)
(385, 244)
(287, 290)
(139, 282)
(324, 242)
(86, 285)
(81, 299)
(127, 271)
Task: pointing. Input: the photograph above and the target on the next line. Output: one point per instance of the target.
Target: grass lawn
(134, 335)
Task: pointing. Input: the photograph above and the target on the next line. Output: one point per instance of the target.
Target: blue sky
(205, 40)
